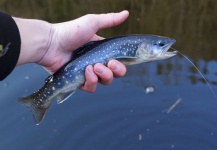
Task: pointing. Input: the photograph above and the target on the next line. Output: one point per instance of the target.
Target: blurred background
(181, 112)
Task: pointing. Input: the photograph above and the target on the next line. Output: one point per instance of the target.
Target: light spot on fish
(53, 88)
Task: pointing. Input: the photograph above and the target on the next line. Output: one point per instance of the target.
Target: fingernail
(115, 66)
(90, 70)
(100, 69)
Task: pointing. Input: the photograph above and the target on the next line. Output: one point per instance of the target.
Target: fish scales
(131, 49)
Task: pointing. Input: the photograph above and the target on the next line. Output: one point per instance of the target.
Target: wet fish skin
(131, 49)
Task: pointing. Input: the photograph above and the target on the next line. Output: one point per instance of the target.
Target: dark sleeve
(10, 43)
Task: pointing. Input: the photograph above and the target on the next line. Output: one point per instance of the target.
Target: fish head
(155, 48)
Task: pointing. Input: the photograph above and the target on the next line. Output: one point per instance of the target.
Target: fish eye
(161, 44)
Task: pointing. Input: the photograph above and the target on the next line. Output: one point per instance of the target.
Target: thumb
(102, 21)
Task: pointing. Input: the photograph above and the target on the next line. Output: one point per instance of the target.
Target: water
(122, 116)
(205, 80)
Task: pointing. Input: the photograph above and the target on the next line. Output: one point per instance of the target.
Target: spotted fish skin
(131, 49)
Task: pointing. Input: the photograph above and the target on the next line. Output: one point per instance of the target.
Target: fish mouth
(165, 52)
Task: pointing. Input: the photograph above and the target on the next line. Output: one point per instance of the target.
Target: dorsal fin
(48, 79)
(85, 48)
(81, 51)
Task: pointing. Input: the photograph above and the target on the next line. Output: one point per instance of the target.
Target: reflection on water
(174, 70)
(149, 89)
(123, 116)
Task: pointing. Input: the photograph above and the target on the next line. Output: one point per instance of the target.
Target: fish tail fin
(38, 111)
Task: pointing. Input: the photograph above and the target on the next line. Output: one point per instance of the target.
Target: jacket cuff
(10, 43)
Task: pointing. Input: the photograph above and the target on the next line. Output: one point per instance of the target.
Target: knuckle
(106, 80)
(92, 81)
(89, 88)
(123, 72)
(92, 90)
(108, 75)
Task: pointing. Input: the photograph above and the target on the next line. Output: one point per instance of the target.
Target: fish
(128, 49)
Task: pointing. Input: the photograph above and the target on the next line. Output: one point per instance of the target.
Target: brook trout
(131, 49)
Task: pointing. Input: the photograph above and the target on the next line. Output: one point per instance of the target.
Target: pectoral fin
(64, 96)
(129, 60)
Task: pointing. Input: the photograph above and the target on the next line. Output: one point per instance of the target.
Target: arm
(50, 45)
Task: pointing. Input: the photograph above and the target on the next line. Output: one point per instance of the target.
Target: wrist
(35, 39)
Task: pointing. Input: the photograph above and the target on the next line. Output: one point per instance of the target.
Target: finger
(117, 68)
(108, 20)
(91, 80)
(105, 75)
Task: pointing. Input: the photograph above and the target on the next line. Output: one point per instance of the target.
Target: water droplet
(26, 77)
(5, 84)
(140, 137)
(149, 89)
(23, 118)
(157, 121)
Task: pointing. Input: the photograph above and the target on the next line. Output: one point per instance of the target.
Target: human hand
(68, 36)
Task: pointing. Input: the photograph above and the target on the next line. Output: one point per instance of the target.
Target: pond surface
(181, 112)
